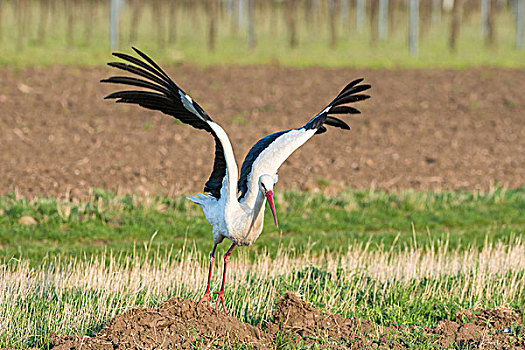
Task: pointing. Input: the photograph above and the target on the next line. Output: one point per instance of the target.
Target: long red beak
(269, 196)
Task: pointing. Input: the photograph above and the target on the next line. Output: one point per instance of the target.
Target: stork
(232, 204)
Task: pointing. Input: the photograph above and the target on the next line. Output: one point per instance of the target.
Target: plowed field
(422, 129)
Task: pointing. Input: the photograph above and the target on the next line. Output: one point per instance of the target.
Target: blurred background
(371, 33)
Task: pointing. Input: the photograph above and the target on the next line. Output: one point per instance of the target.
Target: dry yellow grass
(78, 296)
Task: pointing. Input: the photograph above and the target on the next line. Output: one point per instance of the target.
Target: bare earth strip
(422, 129)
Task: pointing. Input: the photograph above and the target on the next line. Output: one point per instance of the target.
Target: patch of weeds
(285, 340)
(239, 120)
(509, 103)
(266, 108)
(322, 182)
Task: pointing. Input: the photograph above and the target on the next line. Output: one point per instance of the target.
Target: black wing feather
(349, 99)
(155, 65)
(338, 123)
(137, 82)
(354, 90)
(349, 94)
(166, 80)
(350, 85)
(344, 110)
(321, 130)
(139, 71)
(165, 96)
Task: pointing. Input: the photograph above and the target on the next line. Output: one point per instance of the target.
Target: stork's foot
(220, 296)
(207, 298)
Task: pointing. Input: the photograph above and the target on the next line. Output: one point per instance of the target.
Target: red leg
(206, 297)
(220, 294)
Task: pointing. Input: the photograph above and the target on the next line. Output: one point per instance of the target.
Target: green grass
(107, 222)
(410, 257)
(415, 287)
(353, 49)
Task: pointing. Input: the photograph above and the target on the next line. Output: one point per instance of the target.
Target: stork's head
(266, 183)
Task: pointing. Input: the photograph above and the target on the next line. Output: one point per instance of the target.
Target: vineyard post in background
(172, 21)
(1, 12)
(360, 14)
(212, 9)
(520, 10)
(241, 12)
(454, 26)
(383, 19)
(332, 22)
(345, 10)
(485, 12)
(413, 27)
(436, 12)
(115, 7)
(251, 24)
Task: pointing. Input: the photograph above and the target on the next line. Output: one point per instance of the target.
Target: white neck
(232, 172)
(253, 196)
(257, 212)
(259, 202)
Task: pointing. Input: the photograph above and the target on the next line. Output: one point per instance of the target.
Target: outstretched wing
(159, 92)
(267, 155)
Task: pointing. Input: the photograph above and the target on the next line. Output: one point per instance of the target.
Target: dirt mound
(500, 317)
(178, 323)
(481, 329)
(302, 323)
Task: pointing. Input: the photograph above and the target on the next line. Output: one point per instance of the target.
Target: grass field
(412, 287)
(409, 257)
(107, 222)
(354, 47)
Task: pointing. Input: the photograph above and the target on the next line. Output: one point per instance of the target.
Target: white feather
(232, 172)
(188, 104)
(269, 161)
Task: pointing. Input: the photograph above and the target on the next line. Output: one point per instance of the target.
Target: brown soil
(422, 129)
(179, 324)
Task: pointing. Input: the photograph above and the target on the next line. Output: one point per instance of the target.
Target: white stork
(233, 205)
